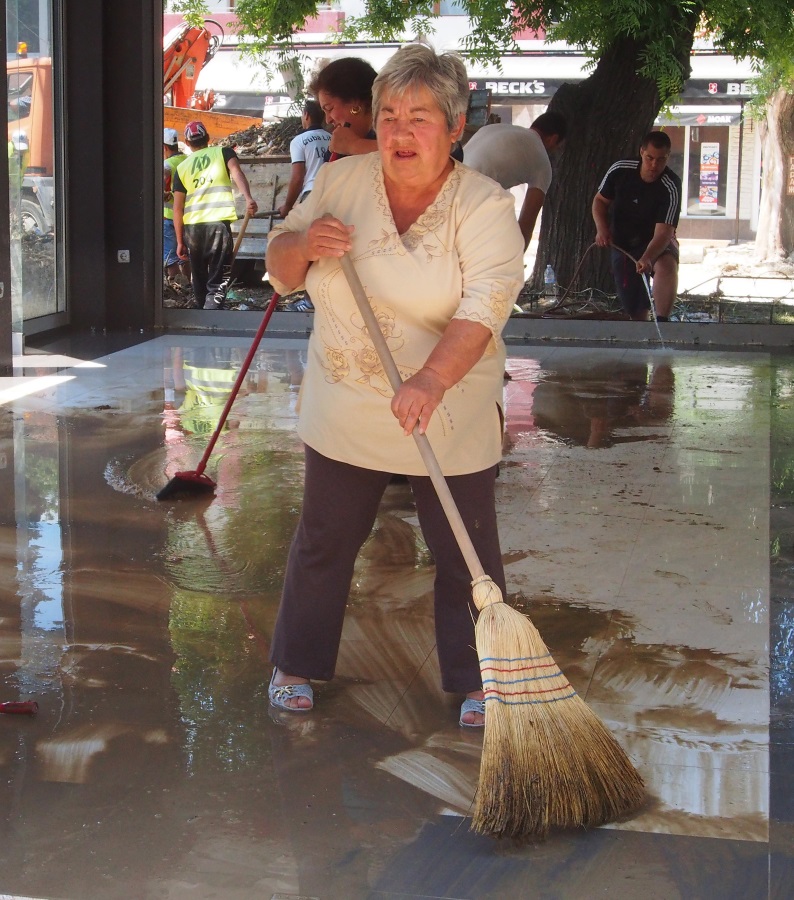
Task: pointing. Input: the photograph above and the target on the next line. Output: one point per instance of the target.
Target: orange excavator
(187, 49)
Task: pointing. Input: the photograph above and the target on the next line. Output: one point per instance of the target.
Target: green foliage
(662, 29)
(773, 76)
(193, 11)
(386, 30)
(759, 31)
(272, 21)
(387, 21)
(218, 675)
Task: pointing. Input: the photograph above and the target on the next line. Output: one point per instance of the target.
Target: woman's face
(341, 112)
(413, 137)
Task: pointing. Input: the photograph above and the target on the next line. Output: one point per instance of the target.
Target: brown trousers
(340, 504)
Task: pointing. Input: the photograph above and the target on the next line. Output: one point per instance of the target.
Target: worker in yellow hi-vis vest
(203, 212)
(172, 157)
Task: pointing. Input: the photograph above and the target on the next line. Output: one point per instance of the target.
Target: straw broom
(548, 760)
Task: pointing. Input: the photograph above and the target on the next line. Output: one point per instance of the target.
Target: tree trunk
(775, 236)
(608, 114)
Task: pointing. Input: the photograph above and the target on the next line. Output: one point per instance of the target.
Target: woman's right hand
(417, 399)
(327, 236)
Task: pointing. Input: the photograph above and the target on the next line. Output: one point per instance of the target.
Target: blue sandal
(472, 706)
(279, 694)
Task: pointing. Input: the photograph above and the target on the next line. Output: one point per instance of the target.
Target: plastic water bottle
(550, 283)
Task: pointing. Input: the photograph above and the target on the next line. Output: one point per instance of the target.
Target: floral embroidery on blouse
(424, 231)
(499, 302)
(340, 362)
(338, 367)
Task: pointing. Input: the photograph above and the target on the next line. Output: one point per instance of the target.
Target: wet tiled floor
(646, 504)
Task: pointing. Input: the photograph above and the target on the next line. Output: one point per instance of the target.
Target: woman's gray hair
(416, 65)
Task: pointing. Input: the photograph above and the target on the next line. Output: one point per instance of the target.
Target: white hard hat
(20, 140)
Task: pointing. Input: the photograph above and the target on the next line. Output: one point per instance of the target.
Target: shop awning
(724, 114)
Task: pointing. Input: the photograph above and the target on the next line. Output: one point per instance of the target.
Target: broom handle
(236, 387)
(241, 234)
(423, 444)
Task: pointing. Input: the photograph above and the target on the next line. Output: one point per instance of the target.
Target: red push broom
(19, 707)
(548, 760)
(192, 483)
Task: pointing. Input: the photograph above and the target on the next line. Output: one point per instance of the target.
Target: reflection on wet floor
(634, 502)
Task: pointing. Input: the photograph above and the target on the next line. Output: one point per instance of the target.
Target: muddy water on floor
(142, 629)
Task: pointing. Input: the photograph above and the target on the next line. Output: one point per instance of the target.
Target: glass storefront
(36, 238)
(707, 173)
(699, 157)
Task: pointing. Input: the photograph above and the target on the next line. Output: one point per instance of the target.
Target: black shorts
(631, 287)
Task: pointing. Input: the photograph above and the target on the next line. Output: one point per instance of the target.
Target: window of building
(699, 156)
(707, 174)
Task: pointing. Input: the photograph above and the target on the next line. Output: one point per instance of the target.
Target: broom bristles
(548, 760)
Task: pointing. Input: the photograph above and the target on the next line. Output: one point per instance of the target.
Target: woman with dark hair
(343, 89)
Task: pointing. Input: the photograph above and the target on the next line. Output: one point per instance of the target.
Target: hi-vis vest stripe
(209, 189)
(208, 381)
(171, 163)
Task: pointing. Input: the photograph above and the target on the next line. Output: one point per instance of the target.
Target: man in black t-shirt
(636, 209)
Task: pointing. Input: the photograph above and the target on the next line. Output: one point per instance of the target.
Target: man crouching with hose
(636, 212)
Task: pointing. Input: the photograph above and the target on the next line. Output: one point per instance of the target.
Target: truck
(30, 139)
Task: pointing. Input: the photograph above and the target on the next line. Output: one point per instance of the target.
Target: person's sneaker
(301, 305)
(213, 304)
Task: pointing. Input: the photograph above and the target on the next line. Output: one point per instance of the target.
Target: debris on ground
(241, 295)
(177, 292)
(269, 139)
(698, 299)
(741, 261)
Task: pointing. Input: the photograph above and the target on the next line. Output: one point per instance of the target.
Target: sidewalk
(721, 281)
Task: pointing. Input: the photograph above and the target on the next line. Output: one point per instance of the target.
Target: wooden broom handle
(241, 234)
(423, 444)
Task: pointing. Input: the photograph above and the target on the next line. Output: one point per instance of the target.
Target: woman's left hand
(417, 399)
(346, 141)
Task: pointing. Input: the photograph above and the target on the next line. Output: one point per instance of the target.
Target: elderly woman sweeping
(439, 253)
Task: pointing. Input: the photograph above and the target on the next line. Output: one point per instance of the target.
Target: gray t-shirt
(510, 154)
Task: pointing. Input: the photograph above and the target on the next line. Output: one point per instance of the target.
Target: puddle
(142, 628)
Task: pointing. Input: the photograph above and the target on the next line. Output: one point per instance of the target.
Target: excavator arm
(187, 49)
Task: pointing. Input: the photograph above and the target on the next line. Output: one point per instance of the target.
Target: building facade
(83, 243)
(716, 150)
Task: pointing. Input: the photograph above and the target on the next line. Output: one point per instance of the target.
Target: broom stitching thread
(557, 689)
(555, 674)
(495, 696)
(503, 684)
(551, 665)
(510, 659)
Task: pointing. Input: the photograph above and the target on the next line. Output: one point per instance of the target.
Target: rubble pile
(177, 292)
(270, 139)
(741, 262)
